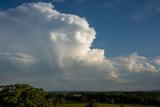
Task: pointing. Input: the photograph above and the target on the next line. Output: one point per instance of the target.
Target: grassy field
(105, 105)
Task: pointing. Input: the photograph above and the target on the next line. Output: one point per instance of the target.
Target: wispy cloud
(80, 0)
(158, 8)
(59, 0)
(143, 16)
(112, 3)
(146, 11)
(17, 57)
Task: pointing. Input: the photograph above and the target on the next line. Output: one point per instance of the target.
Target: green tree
(83, 98)
(92, 103)
(22, 95)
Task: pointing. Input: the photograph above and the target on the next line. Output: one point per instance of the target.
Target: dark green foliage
(83, 98)
(62, 100)
(139, 97)
(24, 95)
(92, 103)
(112, 101)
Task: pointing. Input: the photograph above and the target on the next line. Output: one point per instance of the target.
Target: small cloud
(110, 4)
(143, 16)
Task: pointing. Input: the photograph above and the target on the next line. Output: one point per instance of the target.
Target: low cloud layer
(42, 46)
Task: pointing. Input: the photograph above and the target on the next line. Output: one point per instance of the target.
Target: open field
(106, 105)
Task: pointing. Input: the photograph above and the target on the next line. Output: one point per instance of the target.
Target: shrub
(92, 103)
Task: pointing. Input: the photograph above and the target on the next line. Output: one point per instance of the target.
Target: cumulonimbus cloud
(37, 34)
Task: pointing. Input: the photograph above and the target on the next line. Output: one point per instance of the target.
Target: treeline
(24, 95)
(139, 97)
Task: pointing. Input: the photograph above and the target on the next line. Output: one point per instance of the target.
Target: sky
(93, 45)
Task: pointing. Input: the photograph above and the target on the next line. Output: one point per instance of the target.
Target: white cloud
(135, 63)
(61, 40)
(57, 46)
(157, 61)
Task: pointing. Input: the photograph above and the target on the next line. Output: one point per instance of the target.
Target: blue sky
(124, 52)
